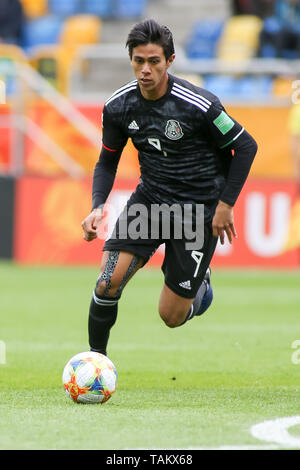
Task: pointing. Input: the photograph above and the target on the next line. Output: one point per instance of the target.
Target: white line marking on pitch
(276, 430)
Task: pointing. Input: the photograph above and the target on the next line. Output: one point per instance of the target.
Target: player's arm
(104, 175)
(228, 135)
(103, 180)
(244, 150)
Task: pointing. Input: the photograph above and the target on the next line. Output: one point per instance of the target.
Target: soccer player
(190, 152)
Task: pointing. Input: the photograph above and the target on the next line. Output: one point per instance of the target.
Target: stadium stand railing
(54, 29)
(251, 80)
(52, 63)
(52, 41)
(25, 86)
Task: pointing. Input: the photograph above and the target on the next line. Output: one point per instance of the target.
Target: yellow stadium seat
(240, 38)
(282, 87)
(77, 30)
(53, 63)
(34, 8)
(81, 30)
(45, 59)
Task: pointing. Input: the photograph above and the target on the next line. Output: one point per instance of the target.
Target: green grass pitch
(199, 386)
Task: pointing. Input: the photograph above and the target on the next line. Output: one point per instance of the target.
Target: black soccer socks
(102, 316)
(197, 304)
(201, 302)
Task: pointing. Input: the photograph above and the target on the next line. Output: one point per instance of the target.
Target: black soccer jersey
(181, 138)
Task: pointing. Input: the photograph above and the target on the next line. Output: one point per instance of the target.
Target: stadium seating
(64, 7)
(9, 56)
(102, 8)
(271, 27)
(129, 8)
(45, 60)
(244, 89)
(250, 88)
(34, 8)
(282, 87)
(53, 63)
(267, 51)
(40, 31)
(220, 85)
(81, 29)
(203, 39)
(77, 31)
(240, 38)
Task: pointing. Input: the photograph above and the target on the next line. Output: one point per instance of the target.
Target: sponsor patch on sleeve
(223, 123)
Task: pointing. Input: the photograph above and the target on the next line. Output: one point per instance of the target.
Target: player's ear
(170, 60)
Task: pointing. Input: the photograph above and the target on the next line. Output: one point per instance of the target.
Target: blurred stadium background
(197, 387)
(70, 56)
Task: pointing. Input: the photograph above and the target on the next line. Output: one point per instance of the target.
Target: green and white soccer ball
(90, 377)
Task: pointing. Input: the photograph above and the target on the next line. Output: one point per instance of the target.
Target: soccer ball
(90, 377)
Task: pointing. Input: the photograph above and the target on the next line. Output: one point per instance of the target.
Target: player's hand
(223, 223)
(91, 223)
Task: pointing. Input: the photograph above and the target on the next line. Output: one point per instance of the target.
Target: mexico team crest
(173, 130)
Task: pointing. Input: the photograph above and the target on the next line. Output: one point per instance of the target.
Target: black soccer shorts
(184, 269)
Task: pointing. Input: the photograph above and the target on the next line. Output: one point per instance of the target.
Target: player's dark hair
(149, 31)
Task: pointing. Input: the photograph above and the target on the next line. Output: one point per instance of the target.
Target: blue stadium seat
(41, 31)
(203, 39)
(268, 51)
(265, 84)
(200, 49)
(251, 88)
(64, 7)
(247, 88)
(220, 85)
(289, 54)
(102, 8)
(209, 28)
(130, 8)
(271, 25)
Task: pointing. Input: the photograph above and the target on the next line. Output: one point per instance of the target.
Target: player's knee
(171, 318)
(171, 322)
(100, 288)
(111, 289)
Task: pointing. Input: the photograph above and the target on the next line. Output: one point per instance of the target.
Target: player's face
(150, 68)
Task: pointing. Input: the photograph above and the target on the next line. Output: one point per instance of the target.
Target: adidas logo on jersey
(186, 284)
(133, 125)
